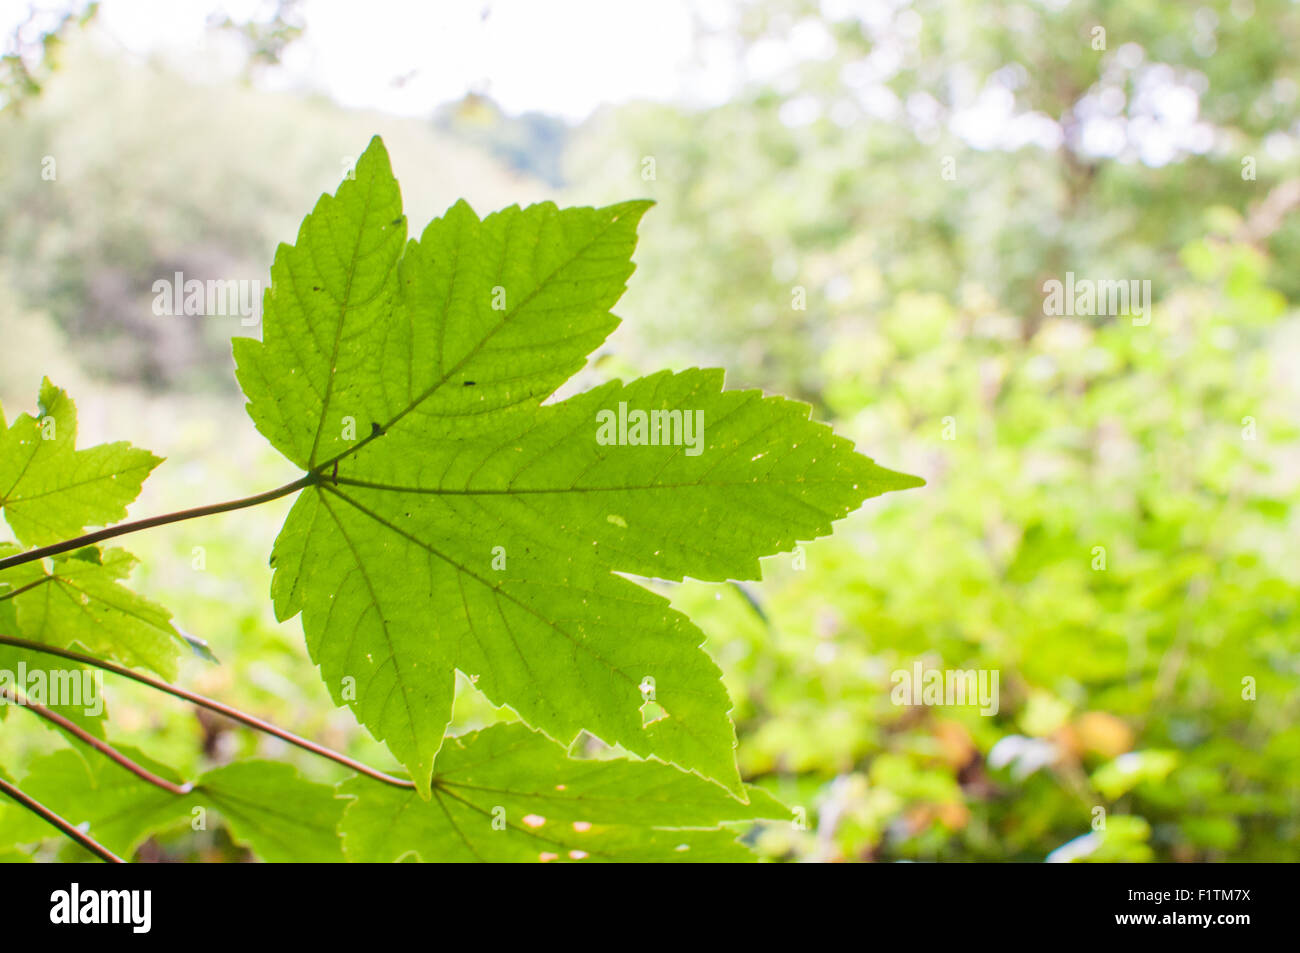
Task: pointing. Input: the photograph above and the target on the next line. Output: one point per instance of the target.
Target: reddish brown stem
(208, 703)
(121, 529)
(82, 838)
(103, 747)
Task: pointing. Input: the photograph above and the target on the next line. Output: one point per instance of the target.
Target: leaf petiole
(103, 747)
(208, 703)
(71, 830)
(121, 529)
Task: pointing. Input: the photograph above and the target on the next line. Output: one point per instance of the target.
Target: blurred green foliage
(1158, 693)
(1110, 521)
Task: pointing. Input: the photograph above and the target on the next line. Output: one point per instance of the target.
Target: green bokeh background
(1110, 520)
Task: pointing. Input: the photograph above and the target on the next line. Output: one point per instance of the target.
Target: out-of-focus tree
(266, 38)
(32, 50)
(960, 148)
(1109, 522)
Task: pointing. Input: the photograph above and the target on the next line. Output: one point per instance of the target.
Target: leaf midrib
(344, 307)
(374, 601)
(636, 487)
(685, 725)
(470, 355)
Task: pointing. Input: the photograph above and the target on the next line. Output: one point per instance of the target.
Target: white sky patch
(570, 57)
(407, 57)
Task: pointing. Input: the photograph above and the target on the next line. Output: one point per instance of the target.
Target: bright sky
(568, 57)
(408, 56)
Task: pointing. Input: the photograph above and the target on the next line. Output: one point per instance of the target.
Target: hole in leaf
(652, 711)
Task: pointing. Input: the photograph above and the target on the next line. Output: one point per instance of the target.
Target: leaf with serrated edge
(119, 809)
(73, 691)
(410, 377)
(267, 805)
(80, 600)
(51, 491)
(509, 794)
(281, 816)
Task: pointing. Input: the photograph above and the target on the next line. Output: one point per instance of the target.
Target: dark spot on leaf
(470, 383)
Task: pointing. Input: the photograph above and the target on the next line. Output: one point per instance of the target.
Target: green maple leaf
(18, 668)
(457, 522)
(25, 670)
(119, 809)
(508, 794)
(280, 815)
(266, 805)
(78, 599)
(49, 490)
(16, 663)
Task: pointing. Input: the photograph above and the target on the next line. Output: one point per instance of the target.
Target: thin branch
(82, 838)
(21, 589)
(121, 529)
(208, 703)
(103, 747)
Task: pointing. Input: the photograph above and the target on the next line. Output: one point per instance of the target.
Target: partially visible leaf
(80, 601)
(266, 804)
(73, 691)
(509, 794)
(199, 646)
(475, 316)
(119, 809)
(51, 491)
(18, 666)
(281, 816)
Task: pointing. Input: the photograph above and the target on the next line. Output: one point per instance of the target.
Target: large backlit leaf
(456, 522)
